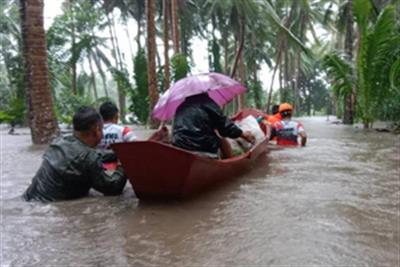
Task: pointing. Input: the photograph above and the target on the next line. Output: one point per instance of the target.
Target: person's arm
(248, 136)
(108, 155)
(303, 137)
(223, 124)
(302, 134)
(108, 184)
(128, 135)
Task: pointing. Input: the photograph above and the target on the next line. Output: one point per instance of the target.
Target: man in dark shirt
(197, 122)
(71, 165)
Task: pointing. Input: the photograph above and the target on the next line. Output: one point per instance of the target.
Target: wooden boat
(159, 170)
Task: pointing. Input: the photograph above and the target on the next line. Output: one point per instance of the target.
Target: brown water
(334, 202)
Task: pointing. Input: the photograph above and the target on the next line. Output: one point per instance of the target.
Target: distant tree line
(352, 70)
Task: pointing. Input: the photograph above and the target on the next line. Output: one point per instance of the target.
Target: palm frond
(269, 11)
(394, 76)
(379, 49)
(341, 73)
(361, 11)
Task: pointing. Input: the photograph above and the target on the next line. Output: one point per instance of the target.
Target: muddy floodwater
(334, 202)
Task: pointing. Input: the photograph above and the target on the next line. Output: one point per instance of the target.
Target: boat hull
(159, 170)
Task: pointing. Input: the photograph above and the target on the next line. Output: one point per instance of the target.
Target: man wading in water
(287, 130)
(71, 165)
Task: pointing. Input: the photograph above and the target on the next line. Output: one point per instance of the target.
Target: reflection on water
(334, 202)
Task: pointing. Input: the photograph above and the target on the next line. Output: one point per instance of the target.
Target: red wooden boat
(159, 170)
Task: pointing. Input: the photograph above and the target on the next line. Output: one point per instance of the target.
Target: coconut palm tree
(151, 54)
(348, 47)
(166, 8)
(244, 16)
(175, 26)
(81, 40)
(300, 17)
(41, 115)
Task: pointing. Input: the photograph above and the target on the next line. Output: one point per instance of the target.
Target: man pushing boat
(71, 165)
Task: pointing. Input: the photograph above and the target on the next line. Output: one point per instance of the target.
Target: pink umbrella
(219, 87)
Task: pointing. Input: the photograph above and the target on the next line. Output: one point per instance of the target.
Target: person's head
(109, 112)
(275, 109)
(88, 126)
(285, 110)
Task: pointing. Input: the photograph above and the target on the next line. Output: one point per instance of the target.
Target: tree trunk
(280, 81)
(175, 26)
(296, 93)
(102, 74)
(278, 60)
(121, 92)
(257, 97)
(242, 75)
(73, 46)
(140, 13)
(96, 97)
(42, 120)
(348, 46)
(126, 28)
(166, 43)
(226, 53)
(100, 69)
(138, 35)
(151, 53)
(118, 51)
(118, 66)
(241, 45)
(286, 78)
(113, 52)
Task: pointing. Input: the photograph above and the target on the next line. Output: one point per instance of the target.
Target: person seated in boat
(71, 165)
(112, 131)
(287, 130)
(199, 125)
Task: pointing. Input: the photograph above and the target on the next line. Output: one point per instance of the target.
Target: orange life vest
(272, 119)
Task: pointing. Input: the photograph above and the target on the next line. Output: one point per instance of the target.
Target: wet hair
(275, 109)
(108, 110)
(85, 118)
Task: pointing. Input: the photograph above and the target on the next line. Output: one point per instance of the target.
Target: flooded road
(334, 202)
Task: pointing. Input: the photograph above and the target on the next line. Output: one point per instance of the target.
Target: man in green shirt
(71, 165)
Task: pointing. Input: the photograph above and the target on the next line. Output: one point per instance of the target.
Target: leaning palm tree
(42, 120)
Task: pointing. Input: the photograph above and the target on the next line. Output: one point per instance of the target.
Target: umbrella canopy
(219, 87)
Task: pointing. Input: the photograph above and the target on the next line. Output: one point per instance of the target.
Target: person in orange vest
(287, 130)
(270, 120)
(276, 116)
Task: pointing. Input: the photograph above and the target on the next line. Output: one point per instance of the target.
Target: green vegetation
(374, 75)
(328, 57)
(140, 96)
